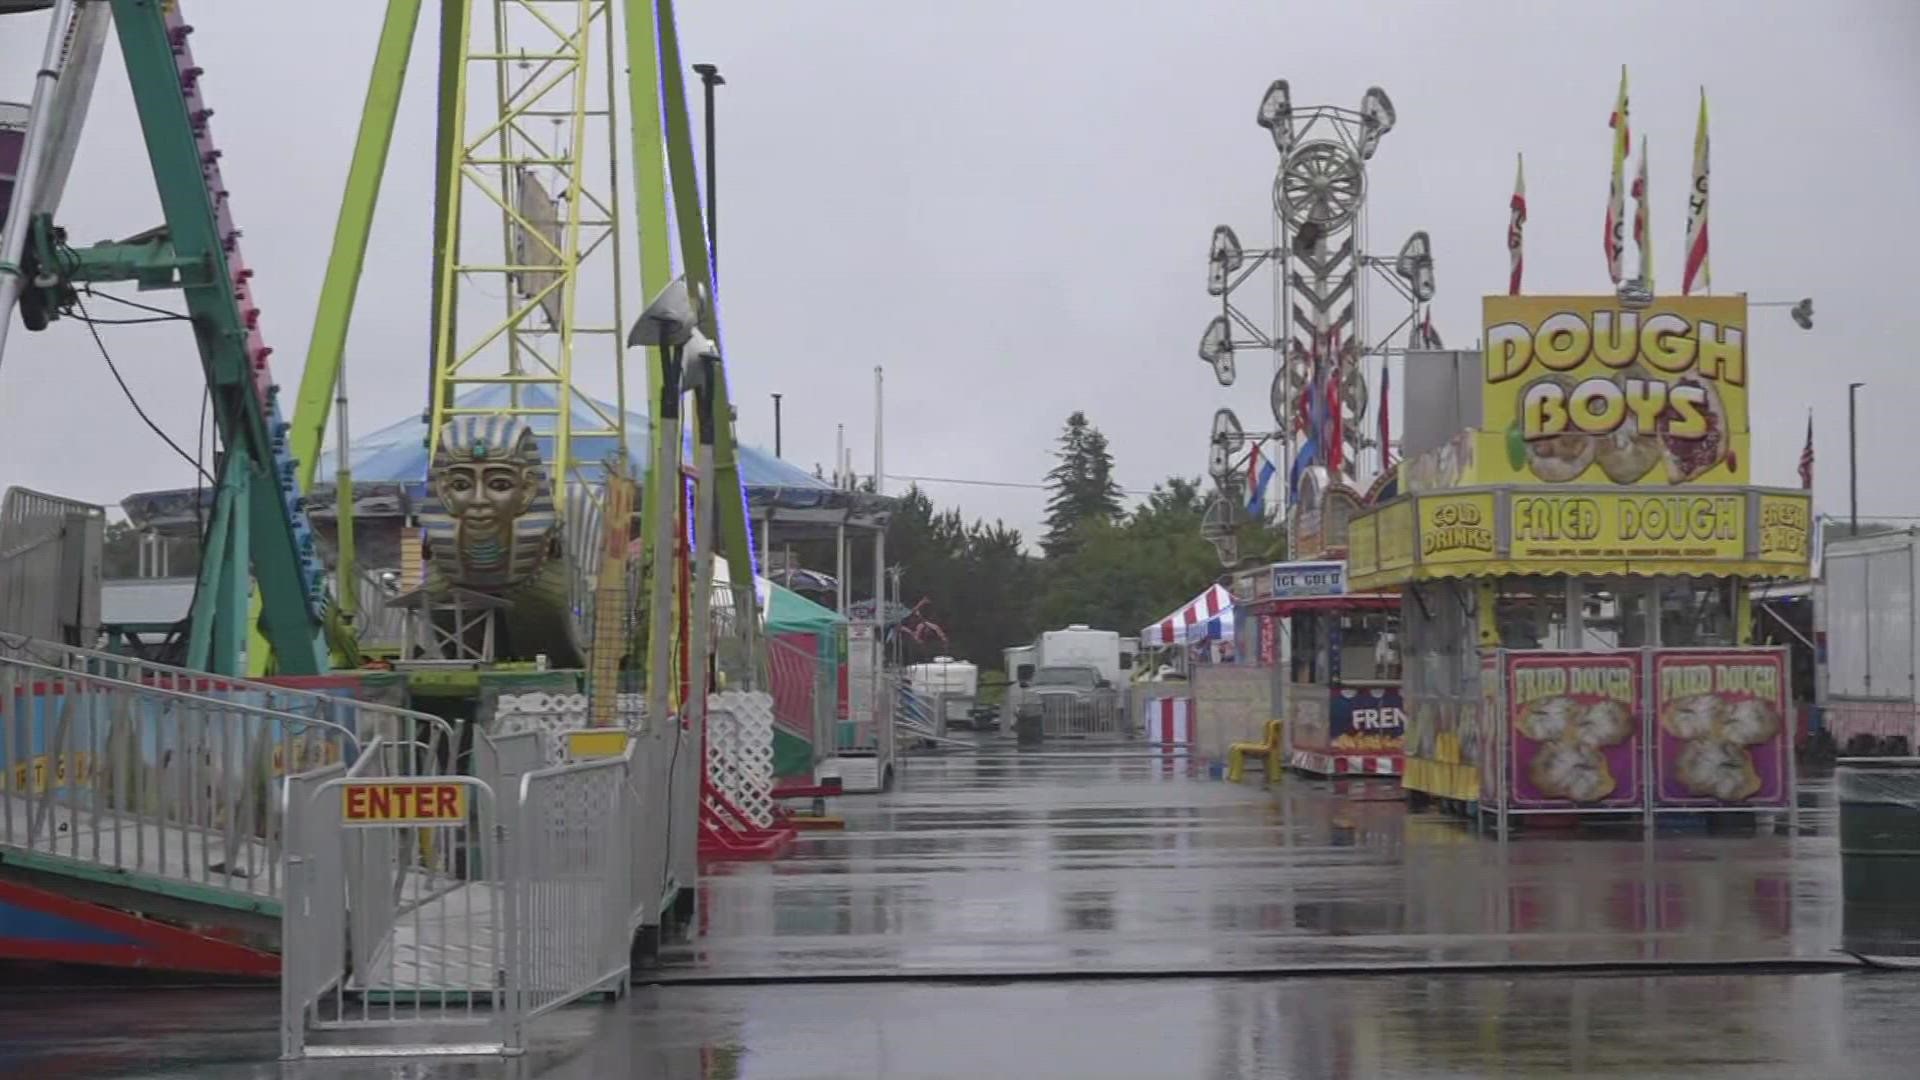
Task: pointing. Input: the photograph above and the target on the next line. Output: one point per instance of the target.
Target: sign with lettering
(1574, 720)
(1295, 580)
(1456, 528)
(1622, 525)
(1582, 389)
(1786, 529)
(1723, 727)
(403, 802)
(1366, 720)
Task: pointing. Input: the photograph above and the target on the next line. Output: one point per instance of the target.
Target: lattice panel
(740, 751)
(550, 714)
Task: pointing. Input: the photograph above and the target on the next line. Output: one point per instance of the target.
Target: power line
(135, 402)
(1023, 485)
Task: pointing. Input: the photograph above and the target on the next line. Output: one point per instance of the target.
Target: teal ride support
(265, 532)
(183, 164)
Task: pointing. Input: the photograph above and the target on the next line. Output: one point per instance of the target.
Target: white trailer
(1082, 646)
(1869, 609)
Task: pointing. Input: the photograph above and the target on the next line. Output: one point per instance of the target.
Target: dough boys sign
(1582, 388)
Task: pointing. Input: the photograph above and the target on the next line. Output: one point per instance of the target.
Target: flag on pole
(1260, 471)
(1424, 335)
(1697, 210)
(1515, 224)
(1643, 219)
(1386, 423)
(1615, 241)
(1336, 435)
(1806, 455)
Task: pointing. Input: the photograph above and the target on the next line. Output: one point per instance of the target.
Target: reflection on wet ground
(1106, 862)
(1728, 1027)
(1019, 862)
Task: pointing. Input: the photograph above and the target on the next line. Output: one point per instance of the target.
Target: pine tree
(1081, 486)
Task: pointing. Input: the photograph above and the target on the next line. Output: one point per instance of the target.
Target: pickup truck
(1065, 700)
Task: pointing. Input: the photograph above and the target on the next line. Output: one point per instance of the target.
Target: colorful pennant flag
(1616, 204)
(1260, 470)
(1643, 219)
(1516, 224)
(1697, 210)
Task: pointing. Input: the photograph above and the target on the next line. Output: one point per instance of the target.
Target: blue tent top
(397, 453)
(390, 471)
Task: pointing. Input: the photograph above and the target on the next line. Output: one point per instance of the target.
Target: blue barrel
(1879, 855)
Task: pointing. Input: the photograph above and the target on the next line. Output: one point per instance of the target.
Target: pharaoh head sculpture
(487, 470)
(492, 511)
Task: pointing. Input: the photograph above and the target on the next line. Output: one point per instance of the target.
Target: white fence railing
(446, 934)
(365, 719)
(171, 787)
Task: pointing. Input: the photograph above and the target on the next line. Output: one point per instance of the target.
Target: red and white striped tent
(1208, 616)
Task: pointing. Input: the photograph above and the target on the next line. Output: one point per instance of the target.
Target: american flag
(1806, 456)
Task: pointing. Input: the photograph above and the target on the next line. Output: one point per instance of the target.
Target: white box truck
(1867, 601)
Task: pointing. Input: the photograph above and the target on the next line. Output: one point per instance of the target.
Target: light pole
(1853, 463)
(776, 425)
(710, 77)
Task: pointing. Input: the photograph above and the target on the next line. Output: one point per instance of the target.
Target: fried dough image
(1569, 770)
(1688, 458)
(1717, 768)
(1694, 717)
(1549, 718)
(1626, 454)
(1603, 723)
(1560, 458)
(1751, 721)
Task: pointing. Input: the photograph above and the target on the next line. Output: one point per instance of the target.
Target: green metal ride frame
(256, 521)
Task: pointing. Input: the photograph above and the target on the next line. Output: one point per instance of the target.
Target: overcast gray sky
(1008, 205)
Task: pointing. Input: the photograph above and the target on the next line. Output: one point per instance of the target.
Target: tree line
(1099, 562)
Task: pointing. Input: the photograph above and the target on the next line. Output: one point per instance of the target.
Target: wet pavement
(1109, 860)
(1182, 897)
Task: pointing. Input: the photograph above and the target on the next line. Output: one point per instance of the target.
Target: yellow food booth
(1574, 564)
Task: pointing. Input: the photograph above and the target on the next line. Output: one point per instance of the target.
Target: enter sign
(403, 802)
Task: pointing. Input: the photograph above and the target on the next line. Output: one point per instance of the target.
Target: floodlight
(669, 320)
(1276, 115)
(1216, 348)
(1227, 430)
(1224, 256)
(1802, 313)
(1376, 119)
(1415, 265)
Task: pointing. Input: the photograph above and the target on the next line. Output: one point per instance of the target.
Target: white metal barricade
(399, 920)
(572, 854)
(424, 918)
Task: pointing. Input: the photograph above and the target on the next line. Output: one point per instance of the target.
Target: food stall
(1576, 563)
(1340, 689)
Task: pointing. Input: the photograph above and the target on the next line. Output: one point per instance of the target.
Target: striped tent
(1208, 616)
